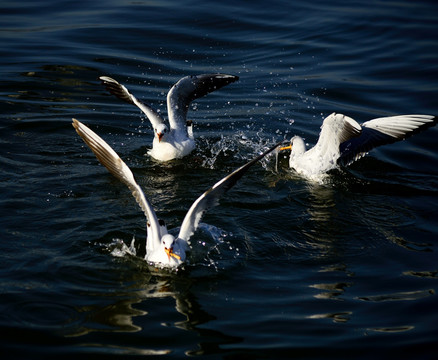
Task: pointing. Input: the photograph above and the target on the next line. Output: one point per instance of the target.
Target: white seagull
(342, 141)
(175, 139)
(162, 249)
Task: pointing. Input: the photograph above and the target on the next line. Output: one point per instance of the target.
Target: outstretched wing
(335, 129)
(122, 92)
(382, 131)
(115, 165)
(211, 197)
(188, 89)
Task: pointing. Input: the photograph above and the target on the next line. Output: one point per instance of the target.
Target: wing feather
(382, 131)
(115, 165)
(122, 93)
(211, 197)
(188, 89)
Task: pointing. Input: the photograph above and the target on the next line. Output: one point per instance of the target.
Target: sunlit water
(282, 268)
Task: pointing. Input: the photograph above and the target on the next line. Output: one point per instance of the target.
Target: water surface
(282, 268)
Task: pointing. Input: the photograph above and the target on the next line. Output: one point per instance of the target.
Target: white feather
(159, 241)
(342, 141)
(173, 140)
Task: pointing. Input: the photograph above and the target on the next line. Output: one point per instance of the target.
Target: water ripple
(401, 296)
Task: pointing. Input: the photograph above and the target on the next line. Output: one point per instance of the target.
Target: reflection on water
(340, 317)
(331, 291)
(324, 223)
(394, 329)
(321, 202)
(342, 270)
(130, 313)
(422, 274)
(401, 296)
(114, 317)
(122, 315)
(412, 245)
(104, 349)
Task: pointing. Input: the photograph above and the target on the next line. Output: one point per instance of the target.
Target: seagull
(175, 139)
(162, 249)
(342, 141)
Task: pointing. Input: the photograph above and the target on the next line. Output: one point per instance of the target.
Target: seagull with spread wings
(162, 248)
(173, 139)
(342, 141)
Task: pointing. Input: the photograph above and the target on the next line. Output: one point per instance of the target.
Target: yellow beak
(170, 253)
(289, 147)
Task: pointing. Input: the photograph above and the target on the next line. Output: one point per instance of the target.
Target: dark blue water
(282, 268)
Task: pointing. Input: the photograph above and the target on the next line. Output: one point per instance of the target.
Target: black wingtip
(217, 81)
(204, 84)
(230, 78)
(116, 89)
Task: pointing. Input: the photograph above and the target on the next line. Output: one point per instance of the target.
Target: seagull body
(342, 141)
(162, 248)
(174, 139)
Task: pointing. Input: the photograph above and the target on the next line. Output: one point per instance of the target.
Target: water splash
(239, 146)
(210, 247)
(213, 247)
(118, 248)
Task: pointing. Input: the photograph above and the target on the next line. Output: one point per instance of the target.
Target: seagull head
(168, 241)
(297, 146)
(161, 130)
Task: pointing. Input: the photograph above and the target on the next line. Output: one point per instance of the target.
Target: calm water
(282, 268)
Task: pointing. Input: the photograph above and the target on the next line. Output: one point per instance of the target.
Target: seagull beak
(170, 253)
(160, 136)
(289, 147)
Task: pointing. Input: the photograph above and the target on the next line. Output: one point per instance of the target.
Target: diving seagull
(162, 249)
(174, 139)
(342, 141)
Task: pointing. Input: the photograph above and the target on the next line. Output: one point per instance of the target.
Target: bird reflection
(121, 315)
(331, 291)
(322, 228)
(129, 313)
